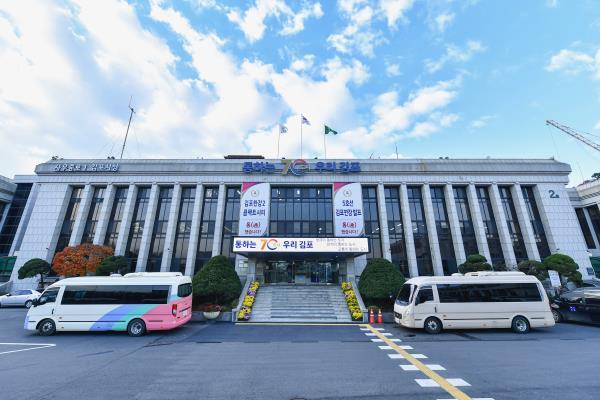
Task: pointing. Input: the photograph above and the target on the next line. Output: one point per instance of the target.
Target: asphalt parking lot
(226, 361)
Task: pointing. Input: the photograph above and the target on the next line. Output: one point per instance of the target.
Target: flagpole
(325, 144)
(278, 140)
(301, 150)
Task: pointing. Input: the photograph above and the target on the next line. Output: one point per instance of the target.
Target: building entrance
(301, 272)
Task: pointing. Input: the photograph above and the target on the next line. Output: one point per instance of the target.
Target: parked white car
(23, 297)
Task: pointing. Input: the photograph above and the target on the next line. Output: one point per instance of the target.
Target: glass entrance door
(301, 272)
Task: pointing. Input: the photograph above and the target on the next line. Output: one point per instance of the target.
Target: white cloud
(552, 3)
(443, 21)
(481, 122)
(304, 63)
(393, 70)
(455, 54)
(574, 62)
(394, 10)
(433, 124)
(252, 21)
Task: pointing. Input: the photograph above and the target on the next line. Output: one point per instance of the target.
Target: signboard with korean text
(554, 278)
(254, 209)
(300, 245)
(348, 209)
(301, 167)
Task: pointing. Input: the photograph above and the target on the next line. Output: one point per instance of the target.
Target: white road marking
(474, 398)
(417, 356)
(385, 347)
(386, 334)
(377, 340)
(433, 367)
(395, 340)
(395, 356)
(370, 334)
(34, 346)
(364, 329)
(406, 347)
(432, 383)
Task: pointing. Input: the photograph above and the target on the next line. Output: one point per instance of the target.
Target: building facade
(326, 217)
(586, 201)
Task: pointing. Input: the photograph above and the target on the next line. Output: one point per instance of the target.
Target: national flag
(282, 129)
(328, 130)
(304, 120)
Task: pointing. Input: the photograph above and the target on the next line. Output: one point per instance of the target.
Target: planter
(211, 314)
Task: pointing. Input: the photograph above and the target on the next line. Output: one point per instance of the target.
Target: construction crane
(573, 133)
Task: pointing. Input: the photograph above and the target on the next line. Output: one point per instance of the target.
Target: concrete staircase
(296, 303)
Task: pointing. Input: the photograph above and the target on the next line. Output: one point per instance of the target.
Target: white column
(502, 225)
(82, 213)
(121, 245)
(434, 243)
(219, 221)
(478, 226)
(171, 229)
(588, 221)
(409, 240)
(190, 261)
(109, 197)
(147, 230)
(525, 223)
(457, 241)
(383, 223)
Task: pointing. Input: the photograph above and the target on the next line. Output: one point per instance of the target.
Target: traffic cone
(379, 317)
(371, 316)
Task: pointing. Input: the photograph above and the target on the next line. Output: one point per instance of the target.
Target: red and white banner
(348, 209)
(254, 209)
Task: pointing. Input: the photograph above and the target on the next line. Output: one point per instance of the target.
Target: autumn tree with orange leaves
(80, 260)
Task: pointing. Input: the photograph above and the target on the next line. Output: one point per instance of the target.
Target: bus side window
(425, 295)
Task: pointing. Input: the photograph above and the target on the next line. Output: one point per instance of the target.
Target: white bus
(475, 300)
(136, 303)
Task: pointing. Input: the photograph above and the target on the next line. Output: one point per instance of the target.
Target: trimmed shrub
(217, 282)
(113, 265)
(34, 267)
(474, 263)
(535, 268)
(564, 265)
(379, 283)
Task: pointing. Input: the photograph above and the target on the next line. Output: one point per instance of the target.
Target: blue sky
(462, 79)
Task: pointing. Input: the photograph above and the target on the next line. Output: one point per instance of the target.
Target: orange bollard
(379, 317)
(371, 316)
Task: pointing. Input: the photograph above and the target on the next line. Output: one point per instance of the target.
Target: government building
(300, 221)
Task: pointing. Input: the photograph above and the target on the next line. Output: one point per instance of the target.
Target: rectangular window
(207, 227)
(137, 226)
(594, 214)
(230, 222)
(512, 222)
(489, 223)
(444, 233)
(488, 293)
(184, 290)
(13, 218)
(585, 229)
(69, 221)
(419, 227)
(465, 221)
(301, 211)
(371, 216)
(116, 217)
(396, 229)
(93, 216)
(159, 231)
(184, 229)
(116, 294)
(536, 221)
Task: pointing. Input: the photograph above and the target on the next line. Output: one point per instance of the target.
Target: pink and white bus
(136, 303)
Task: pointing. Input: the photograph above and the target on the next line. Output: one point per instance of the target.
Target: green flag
(329, 130)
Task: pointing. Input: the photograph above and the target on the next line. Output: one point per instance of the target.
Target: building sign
(254, 209)
(87, 167)
(348, 209)
(554, 278)
(300, 245)
(300, 167)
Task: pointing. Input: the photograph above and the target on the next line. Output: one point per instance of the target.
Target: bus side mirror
(35, 302)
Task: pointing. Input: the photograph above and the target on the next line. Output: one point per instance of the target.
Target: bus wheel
(136, 327)
(47, 327)
(433, 325)
(556, 315)
(520, 324)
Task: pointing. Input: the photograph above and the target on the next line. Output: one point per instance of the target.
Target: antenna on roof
(132, 111)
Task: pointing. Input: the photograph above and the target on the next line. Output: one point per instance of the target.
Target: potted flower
(211, 311)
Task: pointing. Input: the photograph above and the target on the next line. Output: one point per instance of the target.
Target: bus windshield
(404, 294)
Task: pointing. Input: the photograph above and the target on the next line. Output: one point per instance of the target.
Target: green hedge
(380, 282)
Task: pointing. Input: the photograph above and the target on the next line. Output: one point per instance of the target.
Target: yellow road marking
(291, 324)
(444, 384)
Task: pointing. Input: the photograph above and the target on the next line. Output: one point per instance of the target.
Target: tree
(596, 175)
(535, 268)
(564, 265)
(217, 282)
(34, 267)
(379, 282)
(80, 260)
(474, 263)
(113, 264)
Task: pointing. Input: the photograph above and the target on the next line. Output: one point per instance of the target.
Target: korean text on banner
(254, 209)
(348, 209)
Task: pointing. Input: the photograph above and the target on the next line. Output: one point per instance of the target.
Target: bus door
(425, 304)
